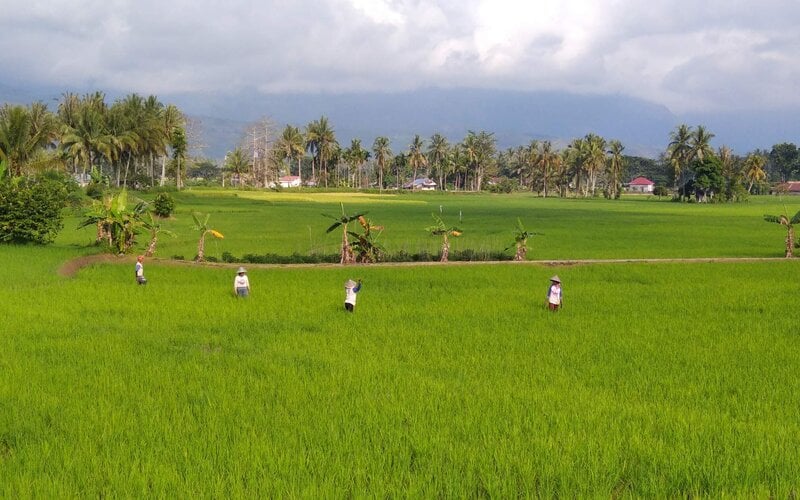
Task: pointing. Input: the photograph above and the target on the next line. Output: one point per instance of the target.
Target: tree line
(135, 140)
(141, 142)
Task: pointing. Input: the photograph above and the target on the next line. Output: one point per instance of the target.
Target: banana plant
(365, 245)
(784, 220)
(201, 224)
(116, 224)
(521, 241)
(346, 253)
(151, 224)
(441, 229)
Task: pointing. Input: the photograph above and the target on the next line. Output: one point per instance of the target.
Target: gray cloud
(684, 55)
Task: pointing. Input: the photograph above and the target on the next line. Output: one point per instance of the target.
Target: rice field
(669, 379)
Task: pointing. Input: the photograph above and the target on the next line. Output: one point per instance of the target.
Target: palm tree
(754, 170)
(437, 153)
(416, 157)
(85, 135)
(521, 241)
(544, 161)
(383, 155)
(18, 141)
(441, 229)
(346, 253)
(616, 166)
(237, 163)
(179, 146)
(354, 156)
(291, 145)
(321, 140)
(789, 223)
(680, 152)
(479, 150)
(594, 154)
(170, 119)
(701, 144)
(201, 224)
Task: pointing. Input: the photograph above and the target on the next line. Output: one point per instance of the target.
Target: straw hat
(350, 284)
(241, 270)
(556, 279)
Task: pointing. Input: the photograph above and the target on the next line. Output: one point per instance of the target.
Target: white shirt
(350, 294)
(555, 294)
(139, 270)
(241, 281)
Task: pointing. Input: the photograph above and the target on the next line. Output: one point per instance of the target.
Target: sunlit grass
(655, 380)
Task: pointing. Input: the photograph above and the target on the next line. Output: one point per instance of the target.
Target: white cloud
(682, 54)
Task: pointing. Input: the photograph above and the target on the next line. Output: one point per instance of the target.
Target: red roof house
(641, 185)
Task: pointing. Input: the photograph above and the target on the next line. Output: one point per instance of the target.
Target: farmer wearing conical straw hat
(241, 285)
(351, 288)
(554, 298)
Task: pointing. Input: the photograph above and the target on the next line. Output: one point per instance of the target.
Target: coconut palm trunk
(789, 241)
(201, 246)
(522, 251)
(347, 252)
(151, 248)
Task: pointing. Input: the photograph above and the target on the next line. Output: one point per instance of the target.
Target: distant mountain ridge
(515, 117)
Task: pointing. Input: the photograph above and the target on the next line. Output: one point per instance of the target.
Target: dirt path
(71, 267)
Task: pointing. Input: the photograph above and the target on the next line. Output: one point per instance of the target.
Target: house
(289, 181)
(423, 184)
(788, 187)
(641, 185)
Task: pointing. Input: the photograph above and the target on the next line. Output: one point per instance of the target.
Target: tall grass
(654, 380)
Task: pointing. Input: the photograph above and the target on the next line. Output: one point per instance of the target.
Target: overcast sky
(684, 54)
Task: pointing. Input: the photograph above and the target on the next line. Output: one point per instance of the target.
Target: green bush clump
(31, 210)
(163, 205)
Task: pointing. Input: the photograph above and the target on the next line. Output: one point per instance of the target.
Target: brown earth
(71, 267)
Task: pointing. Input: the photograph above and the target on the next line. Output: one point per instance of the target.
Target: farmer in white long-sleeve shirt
(351, 288)
(241, 285)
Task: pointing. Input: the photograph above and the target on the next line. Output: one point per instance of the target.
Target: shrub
(31, 210)
(163, 205)
(661, 191)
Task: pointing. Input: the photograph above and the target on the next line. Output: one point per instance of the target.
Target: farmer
(554, 299)
(139, 271)
(351, 288)
(241, 285)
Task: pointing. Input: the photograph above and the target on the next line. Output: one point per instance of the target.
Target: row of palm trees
(689, 145)
(131, 138)
(581, 167)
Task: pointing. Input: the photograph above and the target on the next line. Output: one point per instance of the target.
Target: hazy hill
(515, 117)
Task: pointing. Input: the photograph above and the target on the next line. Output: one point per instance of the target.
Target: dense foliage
(163, 204)
(31, 209)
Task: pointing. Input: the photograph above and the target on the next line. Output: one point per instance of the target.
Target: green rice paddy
(657, 380)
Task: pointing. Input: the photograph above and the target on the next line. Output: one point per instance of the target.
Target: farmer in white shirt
(241, 285)
(351, 288)
(139, 271)
(554, 294)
